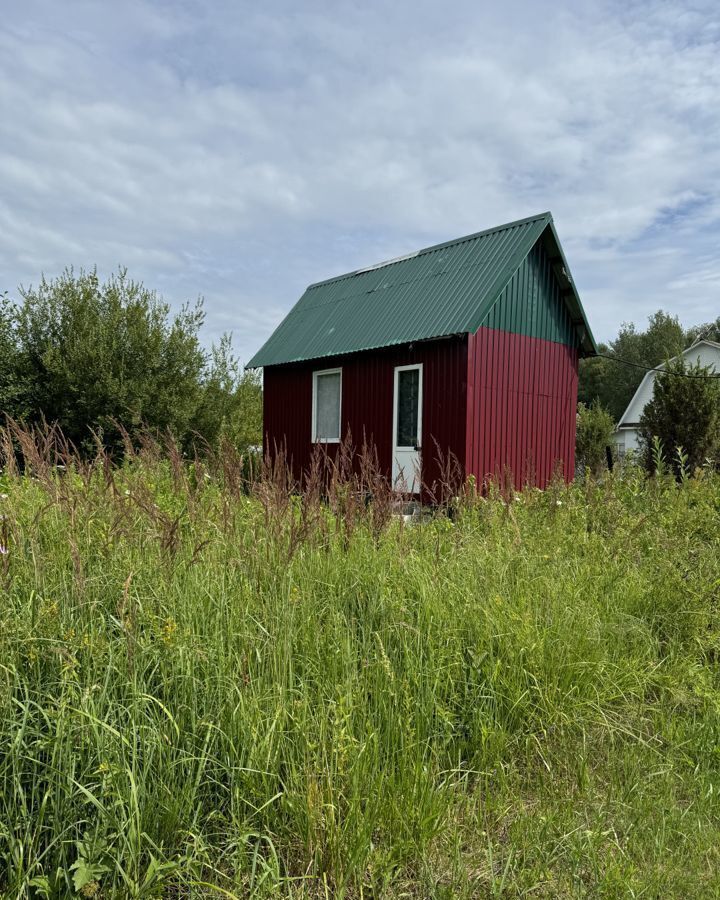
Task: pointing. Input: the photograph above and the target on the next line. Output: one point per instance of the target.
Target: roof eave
(253, 364)
(542, 228)
(588, 345)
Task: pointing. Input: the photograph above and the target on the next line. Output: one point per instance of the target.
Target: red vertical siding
(522, 397)
(367, 402)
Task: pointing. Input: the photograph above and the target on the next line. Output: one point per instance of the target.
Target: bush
(595, 427)
(683, 418)
(103, 358)
(230, 408)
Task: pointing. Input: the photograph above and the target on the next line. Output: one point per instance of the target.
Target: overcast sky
(240, 151)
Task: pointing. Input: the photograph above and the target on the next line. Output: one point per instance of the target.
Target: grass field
(210, 694)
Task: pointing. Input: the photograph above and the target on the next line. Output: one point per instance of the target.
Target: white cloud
(241, 153)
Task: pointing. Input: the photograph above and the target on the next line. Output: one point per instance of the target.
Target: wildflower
(558, 503)
(3, 550)
(169, 629)
(4, 496)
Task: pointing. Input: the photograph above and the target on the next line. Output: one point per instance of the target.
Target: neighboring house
(627, 435)
(467, 348)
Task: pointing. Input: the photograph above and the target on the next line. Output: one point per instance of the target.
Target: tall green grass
(206, 692)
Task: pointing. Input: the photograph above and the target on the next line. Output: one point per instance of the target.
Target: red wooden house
(470, 346)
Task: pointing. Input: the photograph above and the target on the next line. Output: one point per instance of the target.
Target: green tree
(93, 356)
(709, 331)
(595, 427)
(684, 413)
(9, 388)
(89, 354)
(230, 407)
(613, 384)
(595, 376)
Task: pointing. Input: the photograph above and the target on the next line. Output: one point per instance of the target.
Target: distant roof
(631, 416)
(439, 291)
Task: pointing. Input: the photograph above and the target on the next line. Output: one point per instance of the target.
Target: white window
(326, 405)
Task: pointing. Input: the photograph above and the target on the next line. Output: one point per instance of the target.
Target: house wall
(367, 402)
(501, 399)
(522, 402)
(627, 439)
(522, 380)
(532, 304)
(707, 354)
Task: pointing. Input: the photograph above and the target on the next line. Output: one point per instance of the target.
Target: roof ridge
(460, 240)
(381, 306)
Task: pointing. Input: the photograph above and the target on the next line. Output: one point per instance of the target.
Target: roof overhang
(400, 301)
(568, 291)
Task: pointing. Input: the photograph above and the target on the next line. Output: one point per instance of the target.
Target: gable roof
(631, 417)
(439, 291)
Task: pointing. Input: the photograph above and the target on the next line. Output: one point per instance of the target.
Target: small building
(627, 434)
(466, 349)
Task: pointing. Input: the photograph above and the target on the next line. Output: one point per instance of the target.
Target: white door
(407, 429)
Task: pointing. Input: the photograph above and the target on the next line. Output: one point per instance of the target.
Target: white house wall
(627, 435)
(627, 439)
(643, 395)
(707, 354)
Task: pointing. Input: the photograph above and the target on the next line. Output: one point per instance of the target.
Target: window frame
(313, 425)
(416, 447)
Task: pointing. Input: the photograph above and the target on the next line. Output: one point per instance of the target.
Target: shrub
(595, 427)
(681, 424)
(107, 358)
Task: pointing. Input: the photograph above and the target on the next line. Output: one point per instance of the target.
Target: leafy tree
(595, 427)
(230, 406)
(9, 388)
(613, 384)
(89, 355)
(709, 331)
(245, 426)
(683, 413)
(595, 377)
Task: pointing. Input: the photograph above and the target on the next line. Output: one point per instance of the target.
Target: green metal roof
(442, 290)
